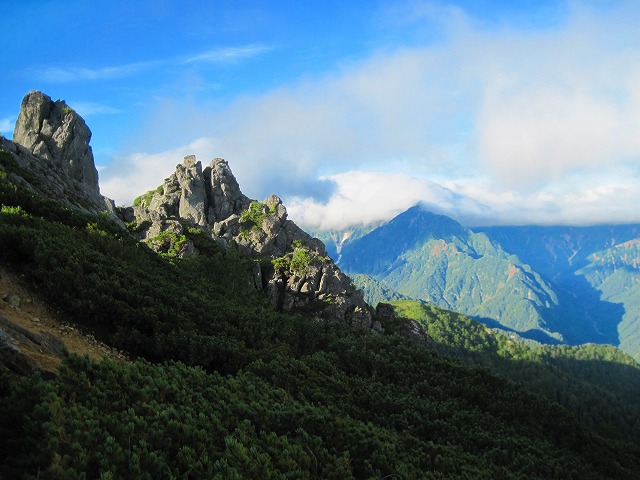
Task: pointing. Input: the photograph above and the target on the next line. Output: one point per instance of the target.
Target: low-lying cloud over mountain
(488, 122)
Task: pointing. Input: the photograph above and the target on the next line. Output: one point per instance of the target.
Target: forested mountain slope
(553, 284)
(433, 258)
(599, 383)
(222, 384)
(593, 269)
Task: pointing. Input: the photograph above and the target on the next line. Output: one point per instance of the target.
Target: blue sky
(489, 111)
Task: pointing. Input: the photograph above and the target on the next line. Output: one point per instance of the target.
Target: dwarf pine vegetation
(219, 385)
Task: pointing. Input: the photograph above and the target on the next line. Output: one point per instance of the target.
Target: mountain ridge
(574, 299)
(439, 261)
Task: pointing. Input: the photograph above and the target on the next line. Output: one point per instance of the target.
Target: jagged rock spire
(226, 199)
(54, 132)
(52, 141)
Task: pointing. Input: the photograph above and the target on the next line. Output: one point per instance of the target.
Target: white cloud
(79, 74)
(510, 126)
(362, 198)
(560, 103)
(88, 109)
(227, 54)
(6, 126)
(132, 175)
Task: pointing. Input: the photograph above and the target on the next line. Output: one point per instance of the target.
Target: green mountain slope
(594, 272)
(375, 291)
(225, 387)
(433, 258)
(599, 383)
(616, 273)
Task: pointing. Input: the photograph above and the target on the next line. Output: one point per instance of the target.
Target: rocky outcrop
(51, 141)
(56, 133)
(292, 267)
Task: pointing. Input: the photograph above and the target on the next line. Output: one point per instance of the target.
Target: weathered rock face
(294, 269)
(225, 197)
(56, 133)
(52, 141)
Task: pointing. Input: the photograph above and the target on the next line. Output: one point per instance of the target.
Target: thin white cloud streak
(526, 126)
(227, 54)
(88, 109)
(80, 74)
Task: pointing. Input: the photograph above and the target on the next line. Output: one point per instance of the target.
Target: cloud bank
(489, 125)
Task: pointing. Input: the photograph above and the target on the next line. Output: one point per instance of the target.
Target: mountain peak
(407, 230)
(56, 133)
(51, 147)
(423, 220)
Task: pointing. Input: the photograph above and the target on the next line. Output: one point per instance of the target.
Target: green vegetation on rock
(252, 217)
(168, 243)
(144, 200)
(297, 261)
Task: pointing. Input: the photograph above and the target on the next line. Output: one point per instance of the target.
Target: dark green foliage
(346, 412)
(598, 383)
(226, 388)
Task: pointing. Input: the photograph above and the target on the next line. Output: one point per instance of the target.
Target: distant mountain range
(552, 284)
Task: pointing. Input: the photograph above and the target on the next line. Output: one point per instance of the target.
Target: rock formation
(51, 155)
(291, 266)
(52, 141)
(55, 132)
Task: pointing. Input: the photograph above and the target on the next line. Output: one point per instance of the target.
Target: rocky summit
(55, 132)
(291, 266)
(51, 141)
